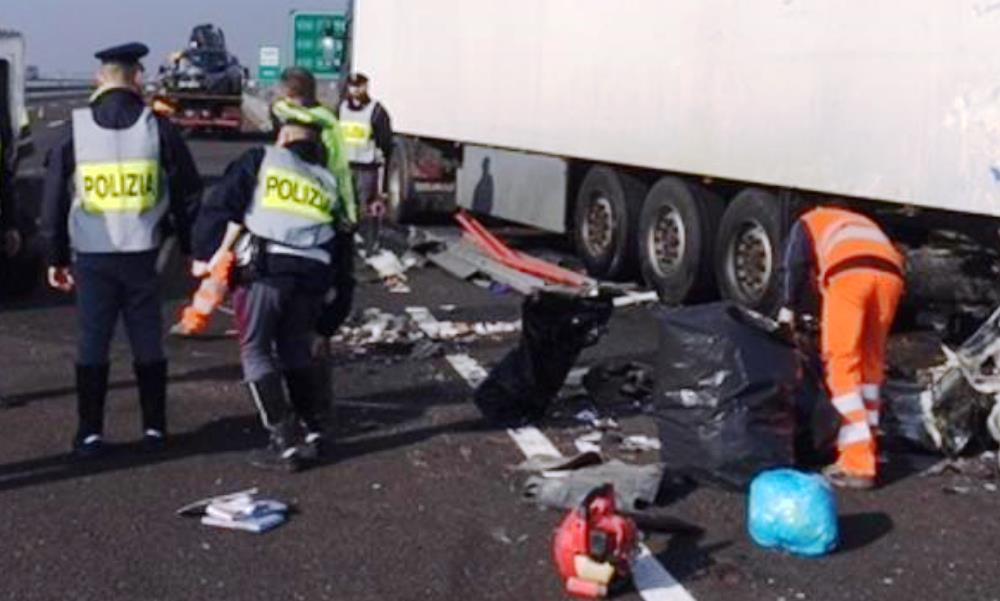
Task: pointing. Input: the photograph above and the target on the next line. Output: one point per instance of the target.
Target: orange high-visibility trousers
(210, 295)
(859, 306)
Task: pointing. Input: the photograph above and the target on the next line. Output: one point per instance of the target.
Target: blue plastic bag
(794, 512)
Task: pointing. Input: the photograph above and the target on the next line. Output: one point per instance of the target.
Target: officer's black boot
(91, 389)
(310, 392)
(152, 381)
(280, 454)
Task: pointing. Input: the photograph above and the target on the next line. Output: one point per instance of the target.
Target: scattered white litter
(575, 377)
(636, 298)
(639, 442)
(239, 511)
(589, 442)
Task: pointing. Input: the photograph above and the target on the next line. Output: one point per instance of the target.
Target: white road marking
(652, 581)
(57, 123)
(467, 367)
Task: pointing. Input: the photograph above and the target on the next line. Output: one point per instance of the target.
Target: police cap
(126, 54)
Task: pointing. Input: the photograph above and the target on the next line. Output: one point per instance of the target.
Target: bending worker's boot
(152, 381)
(856, 460)
(91, 390)
(280, 454)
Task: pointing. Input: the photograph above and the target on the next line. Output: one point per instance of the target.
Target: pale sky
(62, 35)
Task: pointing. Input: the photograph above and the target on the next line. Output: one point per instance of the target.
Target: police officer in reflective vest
(288, 203)
(368, 135)
(859, 275)
(119, 181)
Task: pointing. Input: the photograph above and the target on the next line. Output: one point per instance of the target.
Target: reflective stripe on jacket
(839, 235)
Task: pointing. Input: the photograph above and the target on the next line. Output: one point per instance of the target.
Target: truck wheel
(749, 248)
(400, 196)
(605, 221)
(676, 239)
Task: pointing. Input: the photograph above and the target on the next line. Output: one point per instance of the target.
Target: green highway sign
(318, 42)
(269, 65)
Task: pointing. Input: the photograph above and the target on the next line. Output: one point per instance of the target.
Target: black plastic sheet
(555, 329)
(733, 398)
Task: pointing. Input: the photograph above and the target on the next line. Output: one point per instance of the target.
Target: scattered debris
(589, 443)
(416, 332)
(526, 264)
(500, 535)
(638, 443)
(549, 465)
(636, 298)
(619, 383)
(243, 510)
(636, 486)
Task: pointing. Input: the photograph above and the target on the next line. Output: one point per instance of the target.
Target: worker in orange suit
(859, 277)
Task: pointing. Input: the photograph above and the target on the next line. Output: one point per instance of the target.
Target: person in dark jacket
(119, 181)
(287, 203)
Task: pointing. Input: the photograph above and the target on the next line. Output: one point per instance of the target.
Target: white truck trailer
(673, 136)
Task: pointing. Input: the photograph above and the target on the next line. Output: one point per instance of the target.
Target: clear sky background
(62, 35)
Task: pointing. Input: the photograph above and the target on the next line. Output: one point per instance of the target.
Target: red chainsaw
(594, 545)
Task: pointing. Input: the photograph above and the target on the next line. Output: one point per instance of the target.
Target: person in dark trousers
(288, 204)
(368, 135)
(120, 180)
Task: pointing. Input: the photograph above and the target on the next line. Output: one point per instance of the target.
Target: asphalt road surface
(419, 501)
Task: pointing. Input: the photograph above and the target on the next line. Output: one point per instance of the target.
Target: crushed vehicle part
(954, 403)
(636, 486)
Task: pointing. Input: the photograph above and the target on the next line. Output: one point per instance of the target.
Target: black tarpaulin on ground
(555, 328)
(733, 399)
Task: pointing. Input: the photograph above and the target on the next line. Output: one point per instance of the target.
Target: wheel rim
(598, 226)
(751, 261)
(667, 242)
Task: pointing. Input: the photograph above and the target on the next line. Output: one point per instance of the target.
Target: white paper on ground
(256, 525)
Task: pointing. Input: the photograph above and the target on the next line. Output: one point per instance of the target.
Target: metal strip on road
(652, 581)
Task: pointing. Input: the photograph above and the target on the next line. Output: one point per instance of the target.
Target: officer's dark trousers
(109, 286)
(365, 184)
(276, 323)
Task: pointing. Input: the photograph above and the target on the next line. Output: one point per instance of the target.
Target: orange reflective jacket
(839, 235)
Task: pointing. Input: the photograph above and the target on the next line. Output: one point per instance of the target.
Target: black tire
(606, 222)
(401, 197)
(749, 248)
(677, 229)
